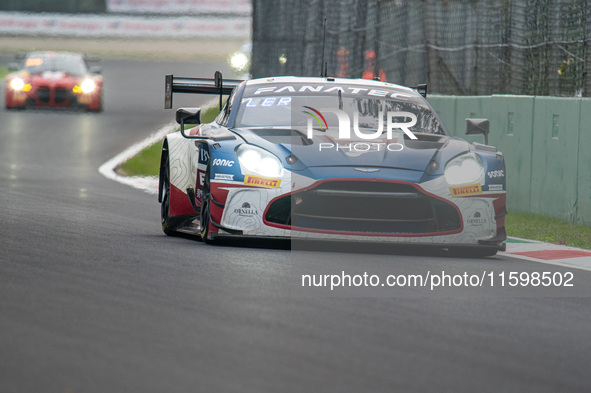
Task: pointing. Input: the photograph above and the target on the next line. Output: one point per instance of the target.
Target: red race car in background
(54, 80)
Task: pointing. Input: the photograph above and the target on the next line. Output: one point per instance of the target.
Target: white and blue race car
(329, 159)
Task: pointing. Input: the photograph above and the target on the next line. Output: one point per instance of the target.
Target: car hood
(399, 152)
(48, 77)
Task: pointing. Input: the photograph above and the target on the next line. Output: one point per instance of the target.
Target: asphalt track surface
(95, 298)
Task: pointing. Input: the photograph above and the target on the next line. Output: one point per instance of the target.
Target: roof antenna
(323, 66)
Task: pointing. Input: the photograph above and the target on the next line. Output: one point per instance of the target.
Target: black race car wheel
(205, 213)
(167, 224)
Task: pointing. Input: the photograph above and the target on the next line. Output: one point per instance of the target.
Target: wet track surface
(94, 297)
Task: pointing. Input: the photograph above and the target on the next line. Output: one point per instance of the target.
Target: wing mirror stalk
(478, 126)
(188, 116)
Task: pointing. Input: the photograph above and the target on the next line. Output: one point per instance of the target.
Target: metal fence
(459, 47)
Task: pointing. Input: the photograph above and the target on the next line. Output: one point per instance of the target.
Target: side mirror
(188, 116)
(422, 90)
(12, 67)
(96, 70)
(478, 126)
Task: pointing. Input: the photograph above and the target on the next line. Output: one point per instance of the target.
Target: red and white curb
(552, 254)
(148, 184)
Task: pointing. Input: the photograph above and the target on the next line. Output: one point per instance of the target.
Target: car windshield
(42, 62)
(299, 106)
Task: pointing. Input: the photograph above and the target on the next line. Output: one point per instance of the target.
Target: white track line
(148, 184)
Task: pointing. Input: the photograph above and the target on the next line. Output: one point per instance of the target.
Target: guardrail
(547, 146)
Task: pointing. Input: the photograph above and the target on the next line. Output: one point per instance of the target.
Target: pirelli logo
(470, 189)
(262, 181)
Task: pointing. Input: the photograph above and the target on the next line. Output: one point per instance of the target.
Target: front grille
(43, 94)
(362, 206)
(61, 95)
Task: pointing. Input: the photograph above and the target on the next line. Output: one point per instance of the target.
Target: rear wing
(217, 85)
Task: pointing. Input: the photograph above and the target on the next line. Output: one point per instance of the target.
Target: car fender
(182, 155)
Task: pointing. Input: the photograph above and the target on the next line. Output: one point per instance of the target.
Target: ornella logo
(345, 123)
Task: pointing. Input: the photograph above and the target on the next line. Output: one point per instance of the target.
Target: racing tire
(168, 224)
(205, 218)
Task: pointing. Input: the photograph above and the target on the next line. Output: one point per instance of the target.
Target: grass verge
(147, 162)
(548, 229)
(3, 72)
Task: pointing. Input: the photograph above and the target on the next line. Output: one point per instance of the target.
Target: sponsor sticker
(223, 176)
(262, 181)
(223, 162)
(495, 187)
(495, 174)
(203, 156)
(246, 210)
(201, 177)
(470, 189)
(477, 219)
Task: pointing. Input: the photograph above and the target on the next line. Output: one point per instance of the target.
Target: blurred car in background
(55, 80)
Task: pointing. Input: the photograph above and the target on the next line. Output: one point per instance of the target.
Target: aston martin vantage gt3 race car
(329, 159)
(54, 80)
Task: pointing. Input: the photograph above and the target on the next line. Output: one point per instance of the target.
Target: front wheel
(205, 219)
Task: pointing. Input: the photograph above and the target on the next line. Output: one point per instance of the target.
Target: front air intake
(379, 207)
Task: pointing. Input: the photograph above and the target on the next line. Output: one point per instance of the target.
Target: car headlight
(259, 161)
(17, 84)
(88, 86)
(464, 169)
